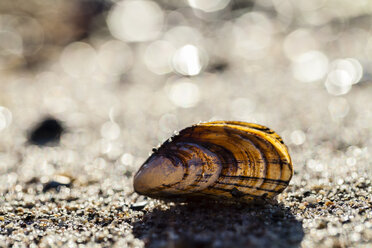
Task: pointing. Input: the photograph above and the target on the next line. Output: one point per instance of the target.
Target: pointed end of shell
(156, 176)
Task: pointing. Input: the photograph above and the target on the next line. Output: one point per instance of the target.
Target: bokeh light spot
(78, 59)
(298, 137)
(310, 66)
(127, 159)
(110, 130)
(338, 82)
(5, 118)
(115, 57)
(338, 108)
(252, 33)
(11, 42)
(188, 61)
(158, 57)
(299, 42)
(209, 5)
(136, 20)
(182, 35)
(11, 49)
(351, 66)
(184, 94)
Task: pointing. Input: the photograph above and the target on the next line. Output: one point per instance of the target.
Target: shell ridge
(268, 180)
(263, 156)
(224, 158)
(248, 186)
(217, 149)
(283, 154)
(249, 127)
(270, 162)
(197, 176)
(203, 149)
(278, 188)
(172, 154)
(185, 162)
(241, 138)
(251, 159)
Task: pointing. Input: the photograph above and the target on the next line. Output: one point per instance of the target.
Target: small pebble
(310, 199)
(47, 132)
(56, 184)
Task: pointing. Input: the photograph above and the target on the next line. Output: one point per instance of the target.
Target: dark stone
(29, 218)
(33, 180)
(307, 193)
(242, 5)
(29, 205)
(71, 199)
(9, 230)
(219, 67)
(47, 132)
(54, 185)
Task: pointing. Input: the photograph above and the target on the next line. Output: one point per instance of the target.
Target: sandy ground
(78, 192)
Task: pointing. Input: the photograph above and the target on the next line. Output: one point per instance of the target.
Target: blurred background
(96, 84)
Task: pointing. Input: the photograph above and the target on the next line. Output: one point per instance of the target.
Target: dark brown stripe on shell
(233, 191)
(258, 145)
(203, 164)
(252, 161)
(258, 178)
(247, 186)
(268, 162)
(226, 157)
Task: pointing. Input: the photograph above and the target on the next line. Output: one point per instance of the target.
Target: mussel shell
(221, 160)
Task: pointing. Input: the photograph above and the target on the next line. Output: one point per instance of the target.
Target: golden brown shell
(222, 159)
